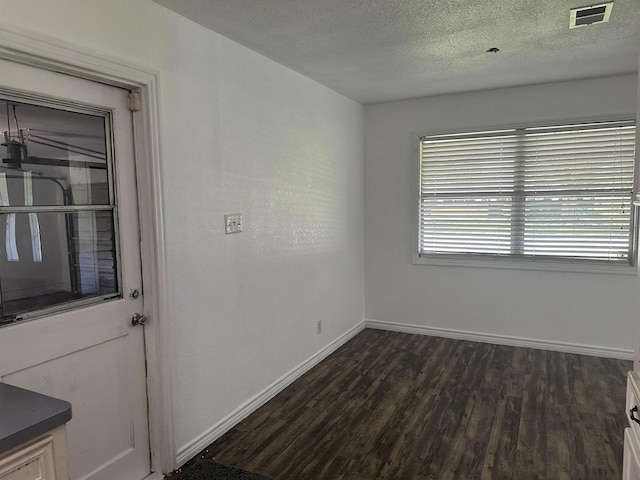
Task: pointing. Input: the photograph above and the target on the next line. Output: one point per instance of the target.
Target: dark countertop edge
(25, 415)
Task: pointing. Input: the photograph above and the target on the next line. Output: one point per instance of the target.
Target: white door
(70, 262)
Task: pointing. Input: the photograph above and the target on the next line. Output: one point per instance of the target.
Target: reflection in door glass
(56, 209)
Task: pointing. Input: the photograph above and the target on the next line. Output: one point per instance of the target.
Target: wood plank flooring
(398, 406)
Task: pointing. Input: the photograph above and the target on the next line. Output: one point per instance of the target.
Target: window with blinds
(563, 192)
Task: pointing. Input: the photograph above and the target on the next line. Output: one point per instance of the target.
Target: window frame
(507, 261)
(107, 115)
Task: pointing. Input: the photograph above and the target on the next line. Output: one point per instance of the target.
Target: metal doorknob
(138, 319)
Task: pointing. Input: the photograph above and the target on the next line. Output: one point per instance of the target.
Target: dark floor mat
(211, 470)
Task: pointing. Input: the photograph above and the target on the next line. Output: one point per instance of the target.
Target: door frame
(29, 48)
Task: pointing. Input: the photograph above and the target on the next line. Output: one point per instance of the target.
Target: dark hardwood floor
(398, 406)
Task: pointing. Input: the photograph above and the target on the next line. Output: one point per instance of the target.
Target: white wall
(240, 133)
(576, 308)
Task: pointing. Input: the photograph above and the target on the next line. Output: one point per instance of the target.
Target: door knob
(138, 319)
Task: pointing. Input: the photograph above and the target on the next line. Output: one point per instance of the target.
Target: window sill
(513, 264)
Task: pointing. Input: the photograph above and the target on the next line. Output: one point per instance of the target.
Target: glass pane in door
(71, 257)
(58, 245)
(64, 152)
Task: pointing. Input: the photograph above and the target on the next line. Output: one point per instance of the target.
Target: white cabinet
(33, 435)
(31, 462)
(631, 461)
(44, 458)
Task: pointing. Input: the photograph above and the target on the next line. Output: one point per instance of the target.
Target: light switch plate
(233, 223)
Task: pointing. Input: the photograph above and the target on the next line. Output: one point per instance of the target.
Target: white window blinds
(546, 192)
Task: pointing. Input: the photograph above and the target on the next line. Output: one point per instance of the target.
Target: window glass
(66, 152)
(57, 233)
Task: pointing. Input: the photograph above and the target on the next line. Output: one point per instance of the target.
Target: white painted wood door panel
(91, 356)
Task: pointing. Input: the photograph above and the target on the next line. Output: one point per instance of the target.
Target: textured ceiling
(381, 50)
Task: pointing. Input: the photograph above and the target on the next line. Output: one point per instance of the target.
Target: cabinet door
(631, 462)
(32, 462)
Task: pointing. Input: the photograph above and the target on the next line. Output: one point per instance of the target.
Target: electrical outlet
(233, 223)
(319, 327)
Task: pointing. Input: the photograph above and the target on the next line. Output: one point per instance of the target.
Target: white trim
(195, 446)
(27, 47)
(38, 50)
(415, 203)
(155, 476)
(159, 333)
(514, 264)
(622, 116)
(565, 347)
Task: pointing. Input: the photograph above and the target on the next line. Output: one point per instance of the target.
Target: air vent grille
(590, 15)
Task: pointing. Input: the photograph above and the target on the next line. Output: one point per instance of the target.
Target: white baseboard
(191, 449)
(594, 351)
(154, 476)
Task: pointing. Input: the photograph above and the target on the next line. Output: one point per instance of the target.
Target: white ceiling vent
(590, 15)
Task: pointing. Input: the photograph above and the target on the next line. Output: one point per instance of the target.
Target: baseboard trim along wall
(618, 353)
(191, 449)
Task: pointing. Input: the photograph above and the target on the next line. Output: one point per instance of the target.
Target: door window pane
(66, 153)
(77, 259)
(57, 215)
